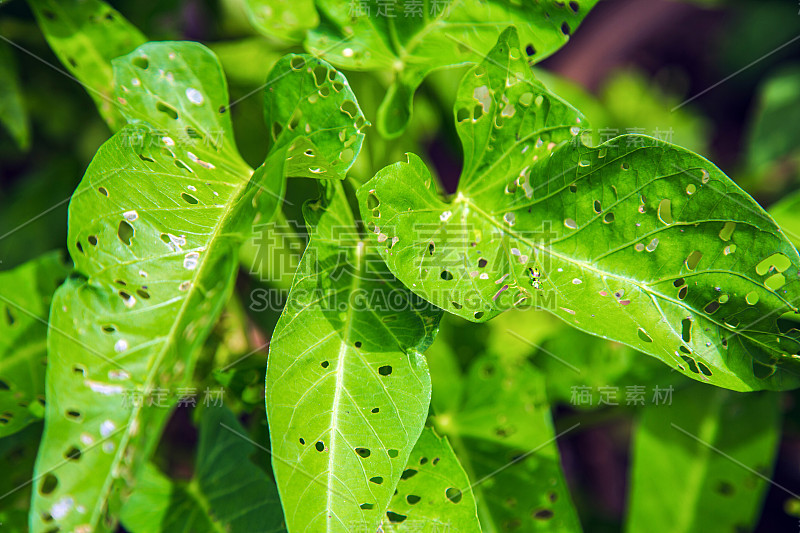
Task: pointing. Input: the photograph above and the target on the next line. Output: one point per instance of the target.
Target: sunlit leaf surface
(347, 385)
(634, 240)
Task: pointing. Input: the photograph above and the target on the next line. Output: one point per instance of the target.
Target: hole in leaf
(413, 499)
(125, 232)
(363, 452)
(367, 506)
(446, 275)
(665, 211)
(686, 332)
(324, 364)
(167, 110)
(49, 484)
(141, 62)
(693, 259)
(727, 231)
(377, 480)
(453, 494)
(643, 335)
(543, 514)
(103, 191)
(393, 453)
(320, 446)
(188, 198)
(385, 370)
(751, 298)
(375, 410)
(394, 517)
(711, 307)
(408, 473)
(73, 454)
(683, 292)
(608, 218)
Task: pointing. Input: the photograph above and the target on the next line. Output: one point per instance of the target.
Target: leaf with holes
(227, 493)
(13, 114)
(411, 39)
(635, 240)
(503, 433)
(155, 228)
(25, 295)
(347, 385)
(711, 452)
(86, 35)
(287, 21)
(433, 493)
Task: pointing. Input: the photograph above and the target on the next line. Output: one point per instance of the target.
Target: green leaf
(503, 433)
(25, 295)
(287, 21)
(13, 114)
(635, 240)
(434, 492)
(155, 228)
(311, 111)
(179, 89)
(347, 386)
(786, 213)
(709, 454)
(226, 494)
(86, 35)
(411, 39)
(17, 455)
(774, 133)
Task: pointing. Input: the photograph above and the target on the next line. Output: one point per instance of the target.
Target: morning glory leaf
(86, 35)
(155, 229)
(347, 388)
(411, 39)
(691, 449)
(503, 433)
(434, 491)
(635, 240)
(25, 295)
(226, 493)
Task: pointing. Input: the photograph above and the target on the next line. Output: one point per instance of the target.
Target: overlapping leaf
(503, 433)
(86, 35)
(701, 464)
(25, 295)
(433, 493)
(347, 385)
(411, 39)
(13, 114)
(635, 240)
(227, 493)
(284, 20)
(155, 227)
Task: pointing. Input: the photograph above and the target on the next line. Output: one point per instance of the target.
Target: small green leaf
(411, 39)
(503, 433)
(347, 385)
(227, 492)
(635, 240)
(13, 114)
(25, 295)
(177, 87)
(86, 35)
(434, 492)
(774, 134)
(287, 21)
(310, 109)
(709, 454)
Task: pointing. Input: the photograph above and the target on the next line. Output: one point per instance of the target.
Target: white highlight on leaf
(194, 96)
(130, 216)
(347, 52)
(444, 217)
(104, 388)
(168, 141)
(107, 427)
(60, 509)
(190, 261)
(118, 375)
(87, 439)
(121, 345)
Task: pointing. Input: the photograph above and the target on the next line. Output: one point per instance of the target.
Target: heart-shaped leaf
(411, 39)
(347, 386)
(635, 240)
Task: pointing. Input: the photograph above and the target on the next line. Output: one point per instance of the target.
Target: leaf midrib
(170, 339)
